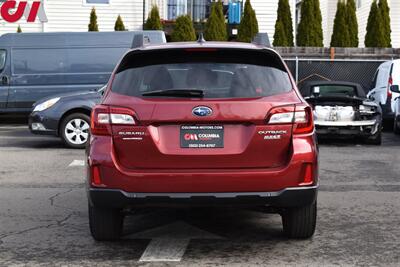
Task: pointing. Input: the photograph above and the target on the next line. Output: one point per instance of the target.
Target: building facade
(73, 15)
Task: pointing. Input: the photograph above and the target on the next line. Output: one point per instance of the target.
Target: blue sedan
(66, 116)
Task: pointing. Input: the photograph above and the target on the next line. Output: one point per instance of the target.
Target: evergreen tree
(93, 27)
(248, 27)
(340, 35)
(183, 30)
(283, 35)
(319, 38)
(375, 33)
(310, 26)
(19, 30)
(280, 38)
(153, 21)
(352, 24)
(215, 29)
(119, 24)
(385, 14)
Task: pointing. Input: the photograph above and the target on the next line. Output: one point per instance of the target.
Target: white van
(387, 74)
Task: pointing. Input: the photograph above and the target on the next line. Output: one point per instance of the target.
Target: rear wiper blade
(176, 93)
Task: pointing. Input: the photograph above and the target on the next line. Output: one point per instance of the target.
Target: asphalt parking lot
(43, 215)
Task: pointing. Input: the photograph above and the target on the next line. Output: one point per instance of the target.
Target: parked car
(387, 74)
(396, 126)
(342, 109)
(202, 123)
(66, 115)
(37, 65)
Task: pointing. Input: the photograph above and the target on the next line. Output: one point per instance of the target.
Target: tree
(119, 24)
(153, 21)
(183, 30)
(352, 24)
(93, 27)
(375, 34)
(340, 35)
(319, 40)
(283, 35)
(280, 38)
(19, 30)
(385, 14)
(248, 27)
(310, 26)
(215, 28)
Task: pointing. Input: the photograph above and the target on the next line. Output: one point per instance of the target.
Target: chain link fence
(351, 70)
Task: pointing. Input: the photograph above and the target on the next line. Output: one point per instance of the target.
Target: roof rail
(262, 39)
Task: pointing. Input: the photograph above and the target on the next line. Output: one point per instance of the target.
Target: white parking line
(169, 242)
(165, 249)
(11, 127)
(77, 163)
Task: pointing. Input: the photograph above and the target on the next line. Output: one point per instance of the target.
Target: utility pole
(144, 13)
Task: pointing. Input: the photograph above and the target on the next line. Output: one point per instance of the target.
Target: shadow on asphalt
(36, 144)
(221, 222)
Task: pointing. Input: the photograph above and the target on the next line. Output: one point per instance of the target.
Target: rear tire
(375, 139)
(396, 125)
(300, 222)
(105, 224)
(74, 130)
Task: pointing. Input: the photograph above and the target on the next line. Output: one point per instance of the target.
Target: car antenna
(201, 38)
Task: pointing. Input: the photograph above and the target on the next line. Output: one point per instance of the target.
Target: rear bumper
(289, 197)
(357, 128)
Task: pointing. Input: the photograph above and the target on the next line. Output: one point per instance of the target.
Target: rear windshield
(3, 54)
(323, 90)
(219, 74)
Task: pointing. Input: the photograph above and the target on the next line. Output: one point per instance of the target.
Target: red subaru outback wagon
(202, 123)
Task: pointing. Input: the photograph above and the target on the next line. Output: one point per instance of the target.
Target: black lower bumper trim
(290, 197)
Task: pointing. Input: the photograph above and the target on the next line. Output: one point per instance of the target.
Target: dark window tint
(39, 61)
(217, 74)
(65, 61)
(89, 60)
(334, 89)
(3, 54)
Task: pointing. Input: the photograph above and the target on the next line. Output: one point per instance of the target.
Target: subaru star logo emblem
(202, 111)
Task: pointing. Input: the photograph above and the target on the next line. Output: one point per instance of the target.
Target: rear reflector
(308, 177)
(96, 178)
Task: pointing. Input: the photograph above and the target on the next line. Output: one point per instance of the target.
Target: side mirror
(395, 89)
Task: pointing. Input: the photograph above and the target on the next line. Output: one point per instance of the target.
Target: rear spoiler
(262, 39)
(148, 37)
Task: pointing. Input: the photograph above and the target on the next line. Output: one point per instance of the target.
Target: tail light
(390, 83)
(104, 116)
(299, 115)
